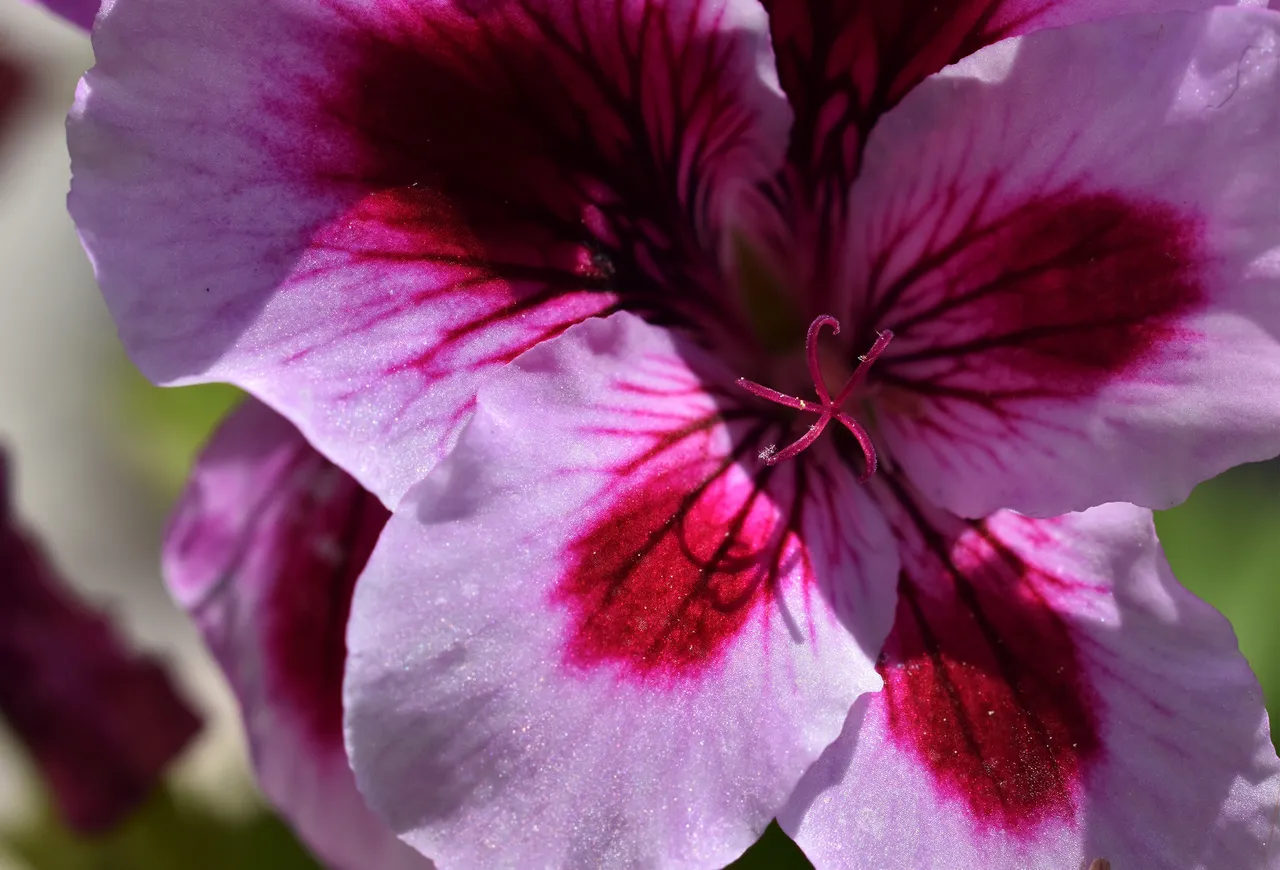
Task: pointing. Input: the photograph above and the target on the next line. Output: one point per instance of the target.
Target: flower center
(827, 408)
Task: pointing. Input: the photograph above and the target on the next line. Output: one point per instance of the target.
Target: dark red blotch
(844, 63)
(667, 576)
(515, 152)
(1058, 296)
(984, 687)
(325, 535)
(1104, 279)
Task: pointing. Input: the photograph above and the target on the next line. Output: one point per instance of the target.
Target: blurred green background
(1223, 544)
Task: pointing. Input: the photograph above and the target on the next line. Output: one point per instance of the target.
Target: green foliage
(773, 851)
(159, 431)
(1224, 545)
(164, 834)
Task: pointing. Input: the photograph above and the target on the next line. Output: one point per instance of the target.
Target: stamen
(827, 408)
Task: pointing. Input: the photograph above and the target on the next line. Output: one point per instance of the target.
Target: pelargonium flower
(101, 721)
(540, 264)
(264, 549)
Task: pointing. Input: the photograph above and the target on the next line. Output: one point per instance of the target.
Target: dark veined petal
(844, 63)
(264, 550)
(1075, 238)
(597, 634)
(1052, 697)
(358, 210)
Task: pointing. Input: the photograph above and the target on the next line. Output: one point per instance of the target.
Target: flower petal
(592, 637)
(1075, 238)
(79, 12)
(844, 64)
(358, 211)
(1052, 697)
(264, 550)
(100, 721)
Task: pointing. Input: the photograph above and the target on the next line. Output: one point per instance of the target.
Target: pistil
(827, 408)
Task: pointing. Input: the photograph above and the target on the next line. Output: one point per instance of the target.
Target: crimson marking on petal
(671, 569)
(844, 63)
(511, 158)
(1058, 296)
(327, 532)
(983, 684)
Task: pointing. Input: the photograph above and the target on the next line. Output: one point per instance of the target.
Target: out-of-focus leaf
(1224, 545)
(164, 834)
(773, 851)
(161, 429)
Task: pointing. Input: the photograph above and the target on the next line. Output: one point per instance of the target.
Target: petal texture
(357, 211)
(1052, 697)
(264, 550)
(100, 721)
(1075, 237)
(592, 637)
(844, 64)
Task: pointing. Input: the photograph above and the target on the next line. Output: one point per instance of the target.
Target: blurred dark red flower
(100, 721)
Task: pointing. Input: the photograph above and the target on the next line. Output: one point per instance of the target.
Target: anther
(828, 408)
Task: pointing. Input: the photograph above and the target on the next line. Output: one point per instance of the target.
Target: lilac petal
(593, 638)
(264, 549)
(1085, 300)
(1053, 697)
(359, 211)
(101, 722)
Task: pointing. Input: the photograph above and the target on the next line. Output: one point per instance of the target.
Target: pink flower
(264, 549)
(100, 721)
(512, 257)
